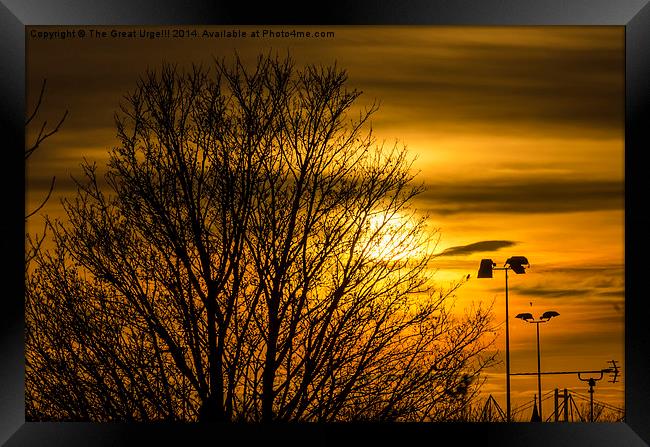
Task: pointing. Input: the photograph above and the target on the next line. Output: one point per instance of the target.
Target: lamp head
(485, 269)
(518, 264)
(525, 316)
(548, 315)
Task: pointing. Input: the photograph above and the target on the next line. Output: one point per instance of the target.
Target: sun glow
(398, 238)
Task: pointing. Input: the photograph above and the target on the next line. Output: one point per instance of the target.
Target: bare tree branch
(34, 244)
(47, 197)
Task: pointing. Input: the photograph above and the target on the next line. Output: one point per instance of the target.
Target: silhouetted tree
(253, 255)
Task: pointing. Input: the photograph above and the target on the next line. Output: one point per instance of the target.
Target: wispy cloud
(518, 196)
(600, 271)
(476, 247)
(550, 292)
(479, 78)
(566, 292)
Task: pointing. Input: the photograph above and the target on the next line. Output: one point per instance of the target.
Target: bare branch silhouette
(47, 197)
(43, 134)
(34, 243)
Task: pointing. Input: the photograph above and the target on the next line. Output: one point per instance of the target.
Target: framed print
(381, 221)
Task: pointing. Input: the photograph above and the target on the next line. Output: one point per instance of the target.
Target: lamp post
(528, 318)
(518, 265)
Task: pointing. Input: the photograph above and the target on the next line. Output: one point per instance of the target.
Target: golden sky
(518, 133)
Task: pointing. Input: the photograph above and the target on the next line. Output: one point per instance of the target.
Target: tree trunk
(268, 377)
(212, 409)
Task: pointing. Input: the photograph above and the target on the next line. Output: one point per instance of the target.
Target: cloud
(615, 293)
(596, 270)
(476, 247)
(550, 293)
(545, 83)
(519, 196)
(610, 296)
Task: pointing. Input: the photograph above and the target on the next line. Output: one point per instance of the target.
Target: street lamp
(528, 318)
(517, 264)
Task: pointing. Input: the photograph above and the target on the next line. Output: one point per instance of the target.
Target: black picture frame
(634, 15)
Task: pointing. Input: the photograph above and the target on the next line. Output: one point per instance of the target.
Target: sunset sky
(518, 133)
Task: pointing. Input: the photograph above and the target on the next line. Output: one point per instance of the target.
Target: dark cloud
(615, 293)
(476, 247)
(604, 335)
(550, 293)
(539, 196)
(596, 295)
(550, 83)
(603, 270)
